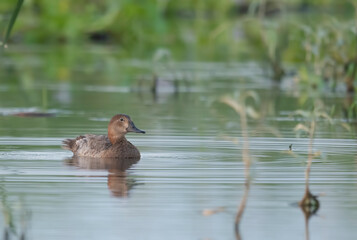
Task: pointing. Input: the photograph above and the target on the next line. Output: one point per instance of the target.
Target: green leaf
(12, 21)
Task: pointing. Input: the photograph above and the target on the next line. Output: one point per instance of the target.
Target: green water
(188, 162)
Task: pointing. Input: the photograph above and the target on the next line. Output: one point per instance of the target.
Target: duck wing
(87, 145)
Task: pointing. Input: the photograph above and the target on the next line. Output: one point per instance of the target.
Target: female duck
(102, 146)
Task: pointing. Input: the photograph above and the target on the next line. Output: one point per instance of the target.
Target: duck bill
(132, 128)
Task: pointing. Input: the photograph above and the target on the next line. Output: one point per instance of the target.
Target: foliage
(12, 21)
(275, 33)
(328, 54)
(14, 226)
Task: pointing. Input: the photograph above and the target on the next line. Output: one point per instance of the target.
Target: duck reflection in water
(118, 183)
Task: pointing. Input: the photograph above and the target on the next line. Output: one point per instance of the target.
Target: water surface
(189, 162)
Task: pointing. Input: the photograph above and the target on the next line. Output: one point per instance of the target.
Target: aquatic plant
(309, 202)
(266, 37)
(244, 110)
(322, 51)
(309, 120)
(352, 108)
(12, 22)
(330, 55)
(14, 227)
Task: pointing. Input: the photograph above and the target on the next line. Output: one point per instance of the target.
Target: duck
(113, 145)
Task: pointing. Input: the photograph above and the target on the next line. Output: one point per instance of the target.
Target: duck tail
(69, 144)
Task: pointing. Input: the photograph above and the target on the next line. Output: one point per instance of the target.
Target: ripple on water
(180, 176)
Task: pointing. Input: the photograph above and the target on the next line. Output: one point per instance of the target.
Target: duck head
(120, 125)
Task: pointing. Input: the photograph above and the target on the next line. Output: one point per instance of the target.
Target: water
(189, 162)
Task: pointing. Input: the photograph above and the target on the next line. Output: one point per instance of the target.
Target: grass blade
(12, 20)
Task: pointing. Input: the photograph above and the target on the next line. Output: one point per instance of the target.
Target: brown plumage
(106, 146)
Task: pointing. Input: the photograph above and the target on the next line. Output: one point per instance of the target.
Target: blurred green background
(319, 35)
(313, 43)
(214, 26)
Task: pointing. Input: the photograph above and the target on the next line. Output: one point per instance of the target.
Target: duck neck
(116, 139)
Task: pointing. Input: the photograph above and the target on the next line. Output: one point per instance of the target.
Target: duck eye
(122, 119)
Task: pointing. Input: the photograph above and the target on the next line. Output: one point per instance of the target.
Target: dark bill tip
(136, 130)
(132, 128)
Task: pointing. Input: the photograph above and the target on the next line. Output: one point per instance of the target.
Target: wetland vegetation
(250, 103)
